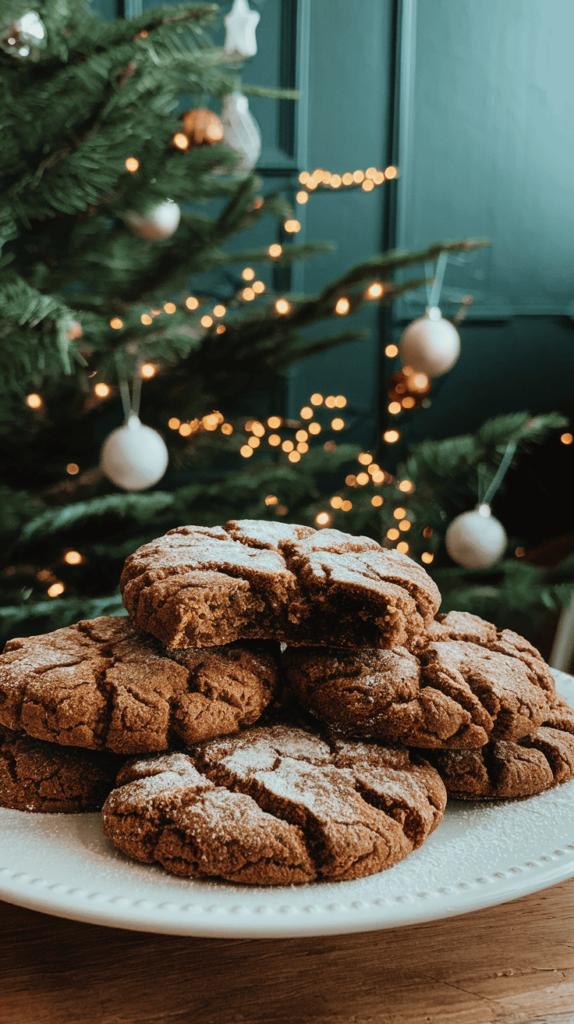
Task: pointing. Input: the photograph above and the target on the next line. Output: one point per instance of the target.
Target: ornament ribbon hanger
(498, 477)
(434, 288)
(130, 400)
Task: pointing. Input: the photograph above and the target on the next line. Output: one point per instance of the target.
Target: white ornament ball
(134, 456)
(476, 540)
(161, 222)
(430, 344)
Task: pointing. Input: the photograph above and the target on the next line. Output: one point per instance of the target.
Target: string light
(274, 422)
(342, 307)
(314, 428)
(364, 458)
(294, 456)
(404, 525)
(316, 399)
(56, 589)
(292, 226)
(254, 442)
(340, 401)
(72, 468)
(274, 440)
(394, 408)
(391, 351)
(248, 274)
(170, 307)
(306, 413)
(336, 181)
(73, 557)
(346, 506)
(330, 446)
(368, 186)
(191, 302)
(302, 447)
(347, 179)
(180, 140)
(519, 552)
(282, 306)
(34, 401)
(174, 423)
(566, 438)
(116, 323)
(146, 319)
(220, 329)
(301, 435)
(102, 390)
(322, 519)
(219, 310)
(155, 312)
(378, 476)
(427, 557)
(132, 164)
(375, 290)
(248, 294)
(391, 172)
(377, 500)
(287, 446)
(258, 429)
(275, 250)
(246, 451)
(408, 402)
(363, 478)
(331, 402)
(206, 321)
(358, 177)
(400, 513)
(211, 421)
(258, 287)
(336, 502)
(302, 197)
(226, 428)
(185, 429)
(148, 370)
(393, 534)
(390, 436)
(406, 486)
(271, 499)
(337, 423)
(403, 547)
(304, 177)
(351, 480)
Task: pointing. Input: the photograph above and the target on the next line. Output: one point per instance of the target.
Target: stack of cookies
(370, 708)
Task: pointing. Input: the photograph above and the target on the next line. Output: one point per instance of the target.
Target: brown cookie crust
(199, 586)
(103, 684)
(42, 777)
(461, 685)
(504, 771)
(275, 805)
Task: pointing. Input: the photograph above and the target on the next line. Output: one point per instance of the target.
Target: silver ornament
(26, 35)
(476, 540)
(134, 456)
(161, 222)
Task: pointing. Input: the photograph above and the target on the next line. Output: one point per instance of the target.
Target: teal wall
(475, 102)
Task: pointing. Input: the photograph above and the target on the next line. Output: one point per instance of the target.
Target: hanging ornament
(240, 25)
(160, 222)
(202, 127)
(241, 132)
(431, 344)
(24, 36)
(134, 456)
(476, 540)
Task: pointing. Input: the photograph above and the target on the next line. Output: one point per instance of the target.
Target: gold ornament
(202, 127)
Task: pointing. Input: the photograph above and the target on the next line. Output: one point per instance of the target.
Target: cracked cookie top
(503, 770)
(103, 684)
(460, 685)
(275, 805)
(42, 777)
(198, 586)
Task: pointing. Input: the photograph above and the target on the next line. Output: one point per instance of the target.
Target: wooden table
(511, 964)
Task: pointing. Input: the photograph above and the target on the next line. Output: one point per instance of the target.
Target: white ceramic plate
(481, 854)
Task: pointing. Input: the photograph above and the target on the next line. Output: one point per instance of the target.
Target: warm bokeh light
(258, 287)
(358, 177)
(520, 552)
(248, 273)
(185, 430)
(337, 423)
(403, 547)
(400, 513)
(102, 390)
(148, 370)
(170, 307)
(146, 319)
(378, 476)
(427, 557)
(390, 436)
(246, 451)
(336, 502)
(347, 506)
(314, 428)
(363, 478)
(364, 458)
(132, 164)
(351, 480)
(408, 402)
(302, 198)
(220, 329)
(294, 456)
(394, 408)
(375, 290)
(155, 312)
(340, 401)
(419, 381)
(72, 468)
(292, 226)
(34, 401)
(367, 186)
(566, 438)
(391, 172)
(191, 302)
(316, 399)
(336, 181)
(377, 500)
(347, 179)
(330, 446)
(404, 525)
(226, 428)
(379, 177)
(275, 250)
(211, 421)
(174, 423)
(287, 446)
(258, 429)
(406, 486)
(56, 589)
(282, 306)
(391, 351)
(274, 422)
(342, 306)
(393, 534)
(274, 440)
(271, 499)
(180, 140)
(301, 435)
(322, 518)
(302, 447)
(206, 321)
(116, 323)
(219, 310)
(331, 402)
(306, 413)
(428, 531)
(73, 557)
(254, 442)
(304, 177)
(326, 178)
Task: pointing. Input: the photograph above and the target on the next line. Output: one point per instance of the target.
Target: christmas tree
(124, 290)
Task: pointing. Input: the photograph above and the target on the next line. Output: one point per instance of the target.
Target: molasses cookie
(461, 685)
(42, 777)
(197, 586)
(103, 684)
(275, 805)
(503, 770)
